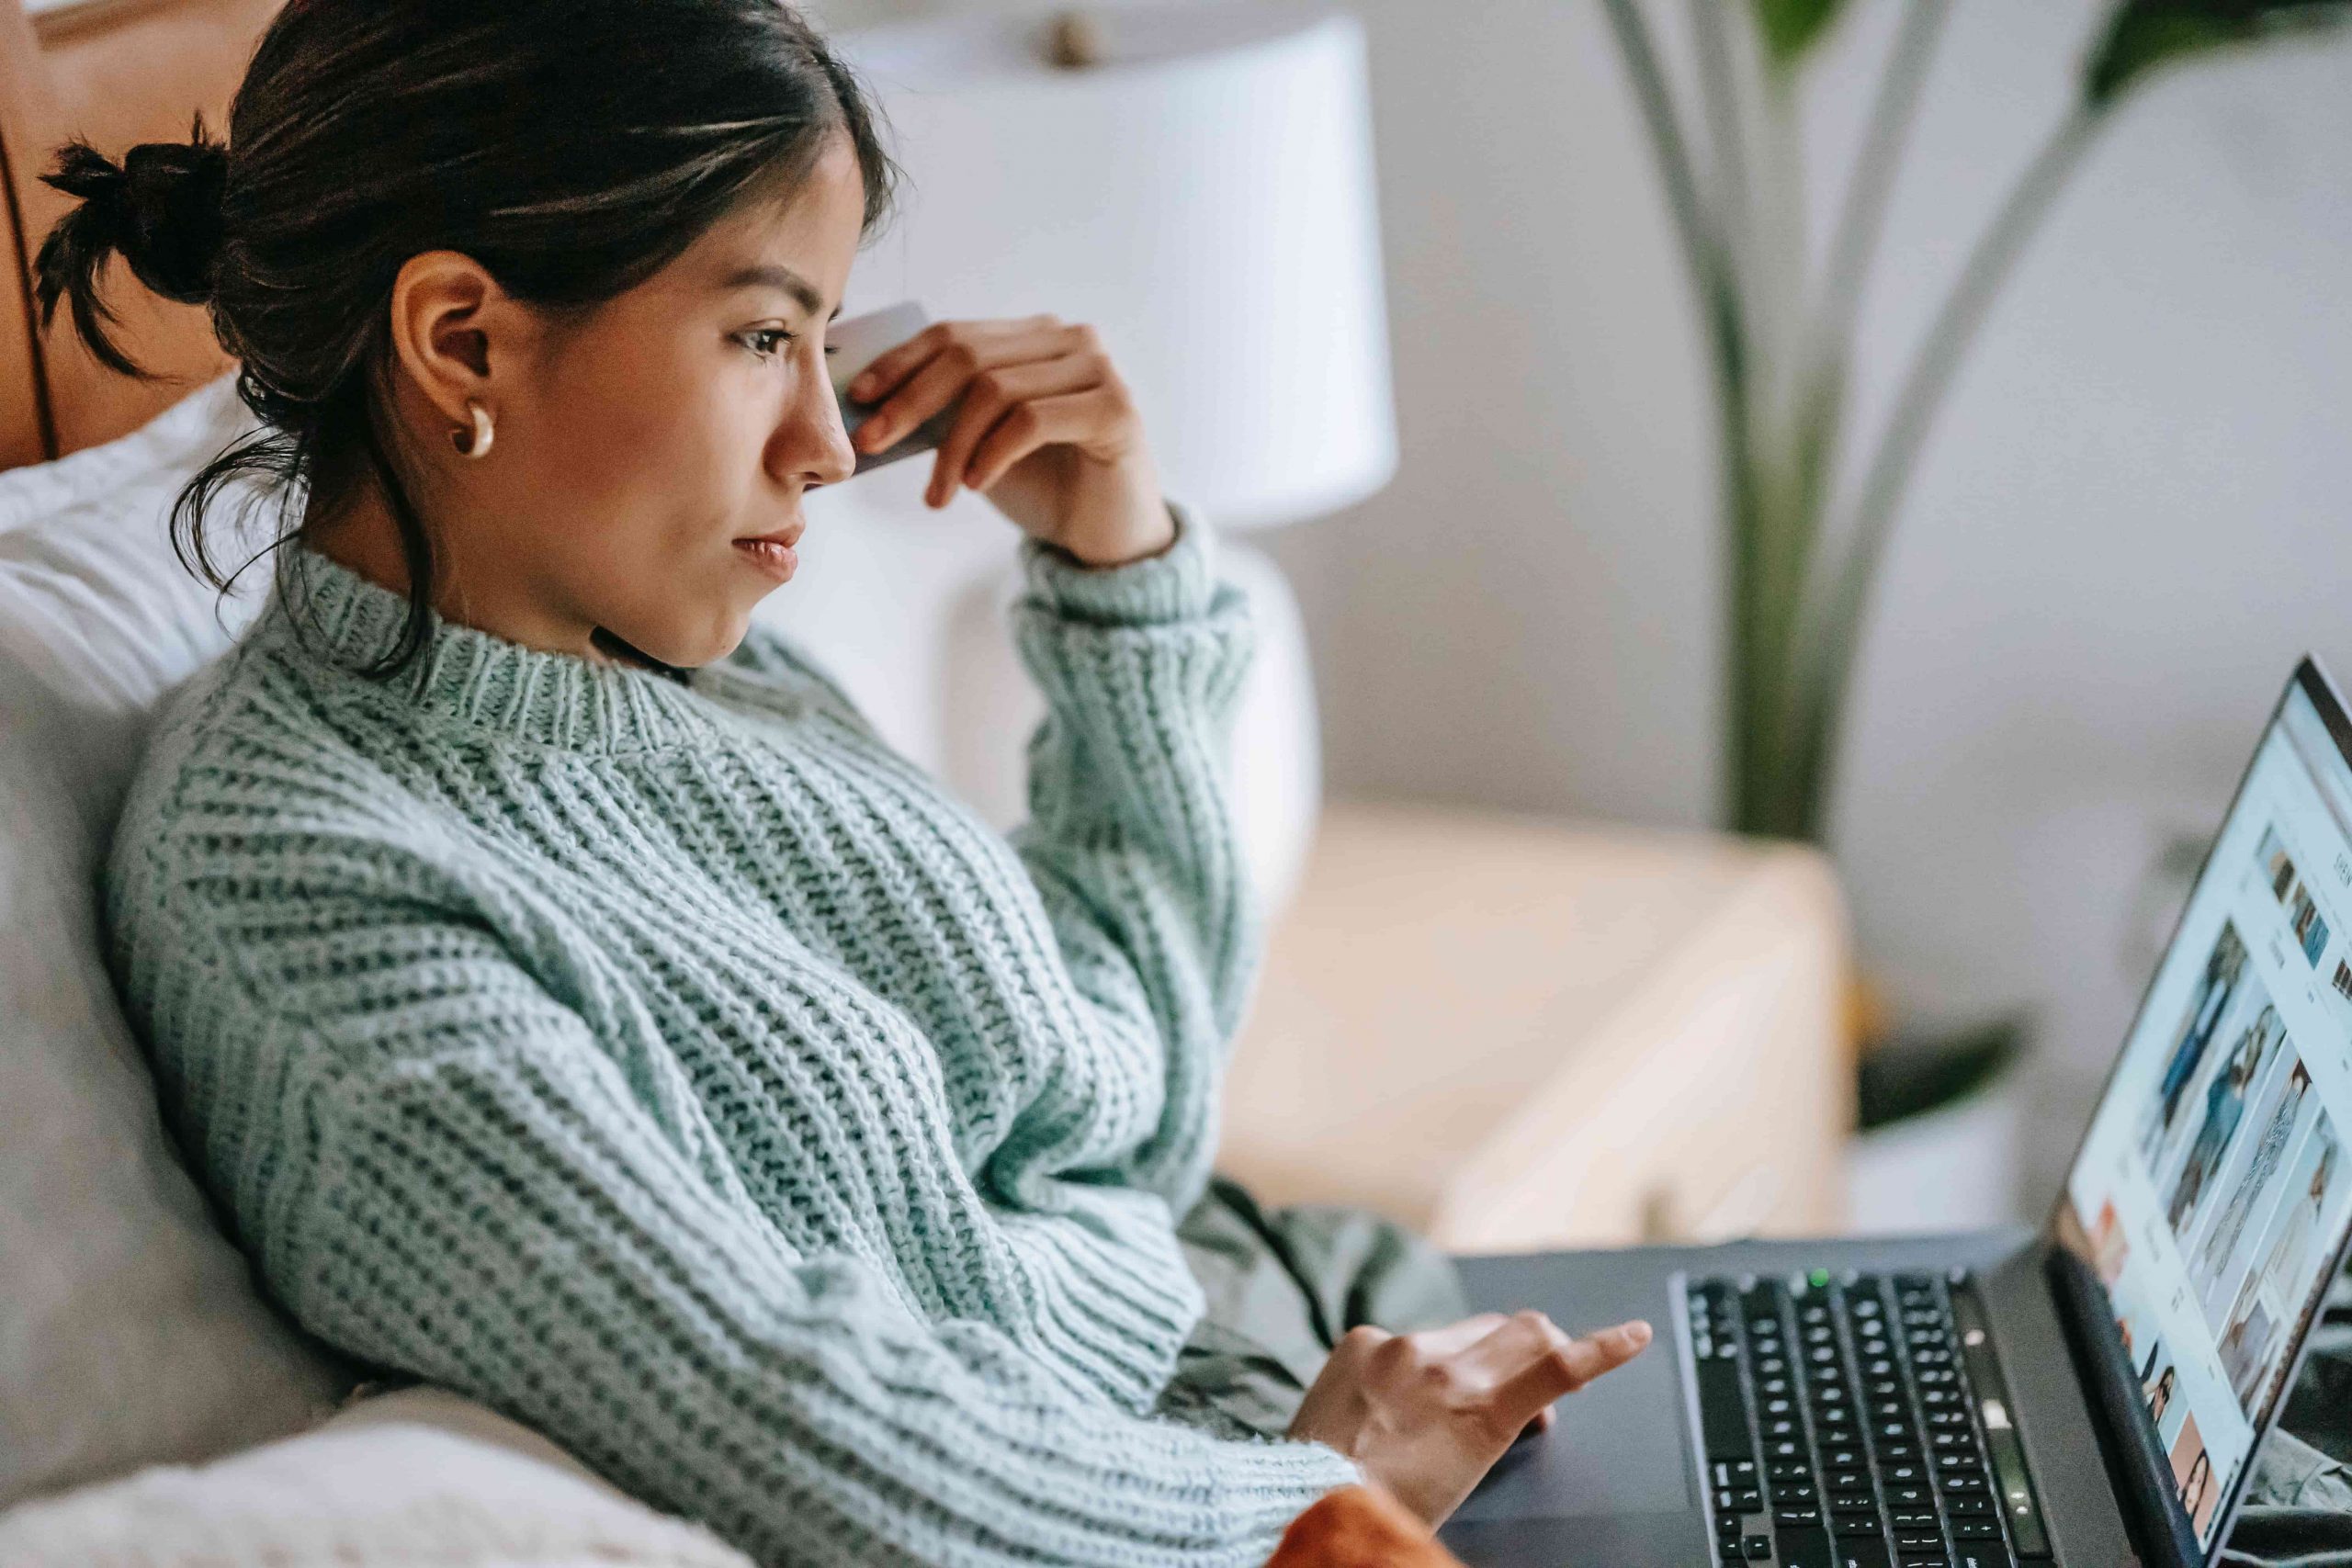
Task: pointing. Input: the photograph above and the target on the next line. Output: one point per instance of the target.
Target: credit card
(858, 342)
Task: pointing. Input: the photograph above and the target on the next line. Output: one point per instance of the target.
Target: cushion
(131, 1330)
(416, 1478)
(98, 619)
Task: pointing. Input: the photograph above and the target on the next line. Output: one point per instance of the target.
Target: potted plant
(1802, 550)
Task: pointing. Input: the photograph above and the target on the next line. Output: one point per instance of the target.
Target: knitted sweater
(670, 1064)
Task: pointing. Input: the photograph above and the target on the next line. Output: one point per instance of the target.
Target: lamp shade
(1203, 197)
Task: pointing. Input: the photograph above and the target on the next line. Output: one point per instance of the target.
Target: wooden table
(1516, 1033)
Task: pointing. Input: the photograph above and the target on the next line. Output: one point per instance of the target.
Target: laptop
(2086, 1395)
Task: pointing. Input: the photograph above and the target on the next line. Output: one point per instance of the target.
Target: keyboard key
(1723, 1412)
(1981, 1555)
(1757, 1546)
(1803, 1548)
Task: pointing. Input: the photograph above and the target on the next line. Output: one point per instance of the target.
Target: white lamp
(1203, 195)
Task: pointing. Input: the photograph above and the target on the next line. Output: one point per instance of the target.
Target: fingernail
(862, 383)
(1636, 1333)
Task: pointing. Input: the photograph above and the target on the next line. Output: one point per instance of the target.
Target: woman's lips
(771, 556)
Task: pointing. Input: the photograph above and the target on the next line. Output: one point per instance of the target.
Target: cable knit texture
(673, 1066)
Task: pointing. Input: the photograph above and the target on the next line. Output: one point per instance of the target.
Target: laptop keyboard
(1857, 1421)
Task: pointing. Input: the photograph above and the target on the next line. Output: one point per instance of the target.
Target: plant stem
(1862, 214)
(1836, 628)
(1666, 139)
(1718, 297)
(1711, 27)
(1824, 366)
(1779, 527)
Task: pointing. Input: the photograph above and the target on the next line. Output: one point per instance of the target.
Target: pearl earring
(481, 433)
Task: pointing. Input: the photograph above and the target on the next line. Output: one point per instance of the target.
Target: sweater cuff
(1174, 584)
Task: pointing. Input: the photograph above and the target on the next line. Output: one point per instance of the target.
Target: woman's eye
(745, 338)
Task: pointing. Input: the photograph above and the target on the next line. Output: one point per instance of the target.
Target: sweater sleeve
(1131, 835)
(443, 1171)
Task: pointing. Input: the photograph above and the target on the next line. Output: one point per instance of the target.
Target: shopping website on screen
(2211, 1186)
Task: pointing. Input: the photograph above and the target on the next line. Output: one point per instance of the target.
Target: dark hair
(572, 147)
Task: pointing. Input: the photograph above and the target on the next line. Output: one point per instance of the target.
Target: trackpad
(1614, 1448)
(1626, 1540)
(1609, 1484)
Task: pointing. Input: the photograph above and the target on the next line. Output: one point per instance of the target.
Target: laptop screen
(2212, 1193)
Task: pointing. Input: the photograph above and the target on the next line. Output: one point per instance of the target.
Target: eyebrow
(775, 277)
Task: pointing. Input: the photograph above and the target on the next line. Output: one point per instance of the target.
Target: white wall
(2133, 517)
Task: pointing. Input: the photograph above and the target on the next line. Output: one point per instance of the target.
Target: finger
(1539, 1422)
(894, 366)
(990, 394)
(1461, 1336)
(1040, 421)
(1537, 1362)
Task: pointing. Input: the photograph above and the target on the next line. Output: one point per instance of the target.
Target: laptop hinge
(2135, 1459)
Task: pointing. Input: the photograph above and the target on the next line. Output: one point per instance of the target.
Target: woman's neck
(364, 538)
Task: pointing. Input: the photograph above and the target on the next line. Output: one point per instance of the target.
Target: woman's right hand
(1427, 1414)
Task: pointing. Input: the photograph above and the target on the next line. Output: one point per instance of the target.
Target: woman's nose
(830, 456)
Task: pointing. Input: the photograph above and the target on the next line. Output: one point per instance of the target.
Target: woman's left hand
(1046, 431)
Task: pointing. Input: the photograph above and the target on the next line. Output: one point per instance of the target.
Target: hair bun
(161, 208)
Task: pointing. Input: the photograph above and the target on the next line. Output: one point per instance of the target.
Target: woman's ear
(455, 330)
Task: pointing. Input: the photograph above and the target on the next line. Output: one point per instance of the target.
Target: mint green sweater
(674, 1066)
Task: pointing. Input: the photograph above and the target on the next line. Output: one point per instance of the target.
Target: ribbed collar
(474, 678)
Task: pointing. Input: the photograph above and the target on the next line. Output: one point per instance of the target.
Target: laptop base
(1617, 1478)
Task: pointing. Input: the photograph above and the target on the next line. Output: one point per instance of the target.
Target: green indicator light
(1820, 1278)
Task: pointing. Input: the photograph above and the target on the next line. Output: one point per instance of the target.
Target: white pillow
(98, 619)
(417, 1479)
(131, 1330)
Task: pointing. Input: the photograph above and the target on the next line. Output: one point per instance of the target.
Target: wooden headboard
(117, 73)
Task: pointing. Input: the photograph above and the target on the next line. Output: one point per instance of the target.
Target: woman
(2224, 1103)
(2197, 1486)
(2160, 1397)
(2214, 991)
(2221, 1241)
(569, 997)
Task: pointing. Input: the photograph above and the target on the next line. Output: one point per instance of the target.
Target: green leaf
(1792, 27)
(2142, 35)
